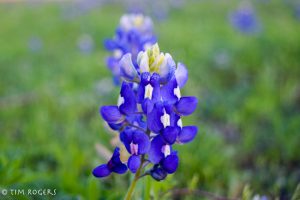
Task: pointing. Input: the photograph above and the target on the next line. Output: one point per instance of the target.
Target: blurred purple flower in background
(87, 5)
(244, 19)
(104, 86)
(85, 43)
(160, 10)
(35, 44)
(80, 7)
(297, 11)
(222, 59)
(156, 8)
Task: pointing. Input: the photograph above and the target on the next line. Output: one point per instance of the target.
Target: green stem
(147, 188)
(135, 180)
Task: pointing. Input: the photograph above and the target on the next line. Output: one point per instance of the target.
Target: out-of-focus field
(248, 87)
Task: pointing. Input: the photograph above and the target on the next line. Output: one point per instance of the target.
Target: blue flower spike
(149, 111)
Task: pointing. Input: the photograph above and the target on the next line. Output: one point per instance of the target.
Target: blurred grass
(248, 88)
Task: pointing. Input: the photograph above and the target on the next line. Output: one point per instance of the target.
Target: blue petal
(133, 36)
(174, 119)
(140, 93)
(111, 114)
(173, 116)
(154, 81)
(126, 138)
(115, 126)
(181, 74)
(115, 163)
(158, 173)
(186, 105)
(150, 40)
(167, 91)
(115, 159)
(137, 119)
(120, 168)
(134, 163)
(187, 134)
(113, 65)
(129, 106)
(127, 69)
(147, 105)
(170, 134)
(142, 140)
(145, 79)
(120, 33)
(101, 171)
(153, 118)
(116, 80)
(167, 69)
(170, 163)
(110, 44)
(155, 154)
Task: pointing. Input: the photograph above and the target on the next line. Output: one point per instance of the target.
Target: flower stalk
(135, 180)
(150, 106)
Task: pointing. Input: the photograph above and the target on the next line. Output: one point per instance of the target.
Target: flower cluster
(148, 114)
(134, 34)
(244, 19)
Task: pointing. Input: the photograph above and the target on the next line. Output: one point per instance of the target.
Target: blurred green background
(53, 79)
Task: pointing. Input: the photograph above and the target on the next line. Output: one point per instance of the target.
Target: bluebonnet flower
(134, 34)
(137, 143)
(244, 20)
(113, 165)
(149, 111)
